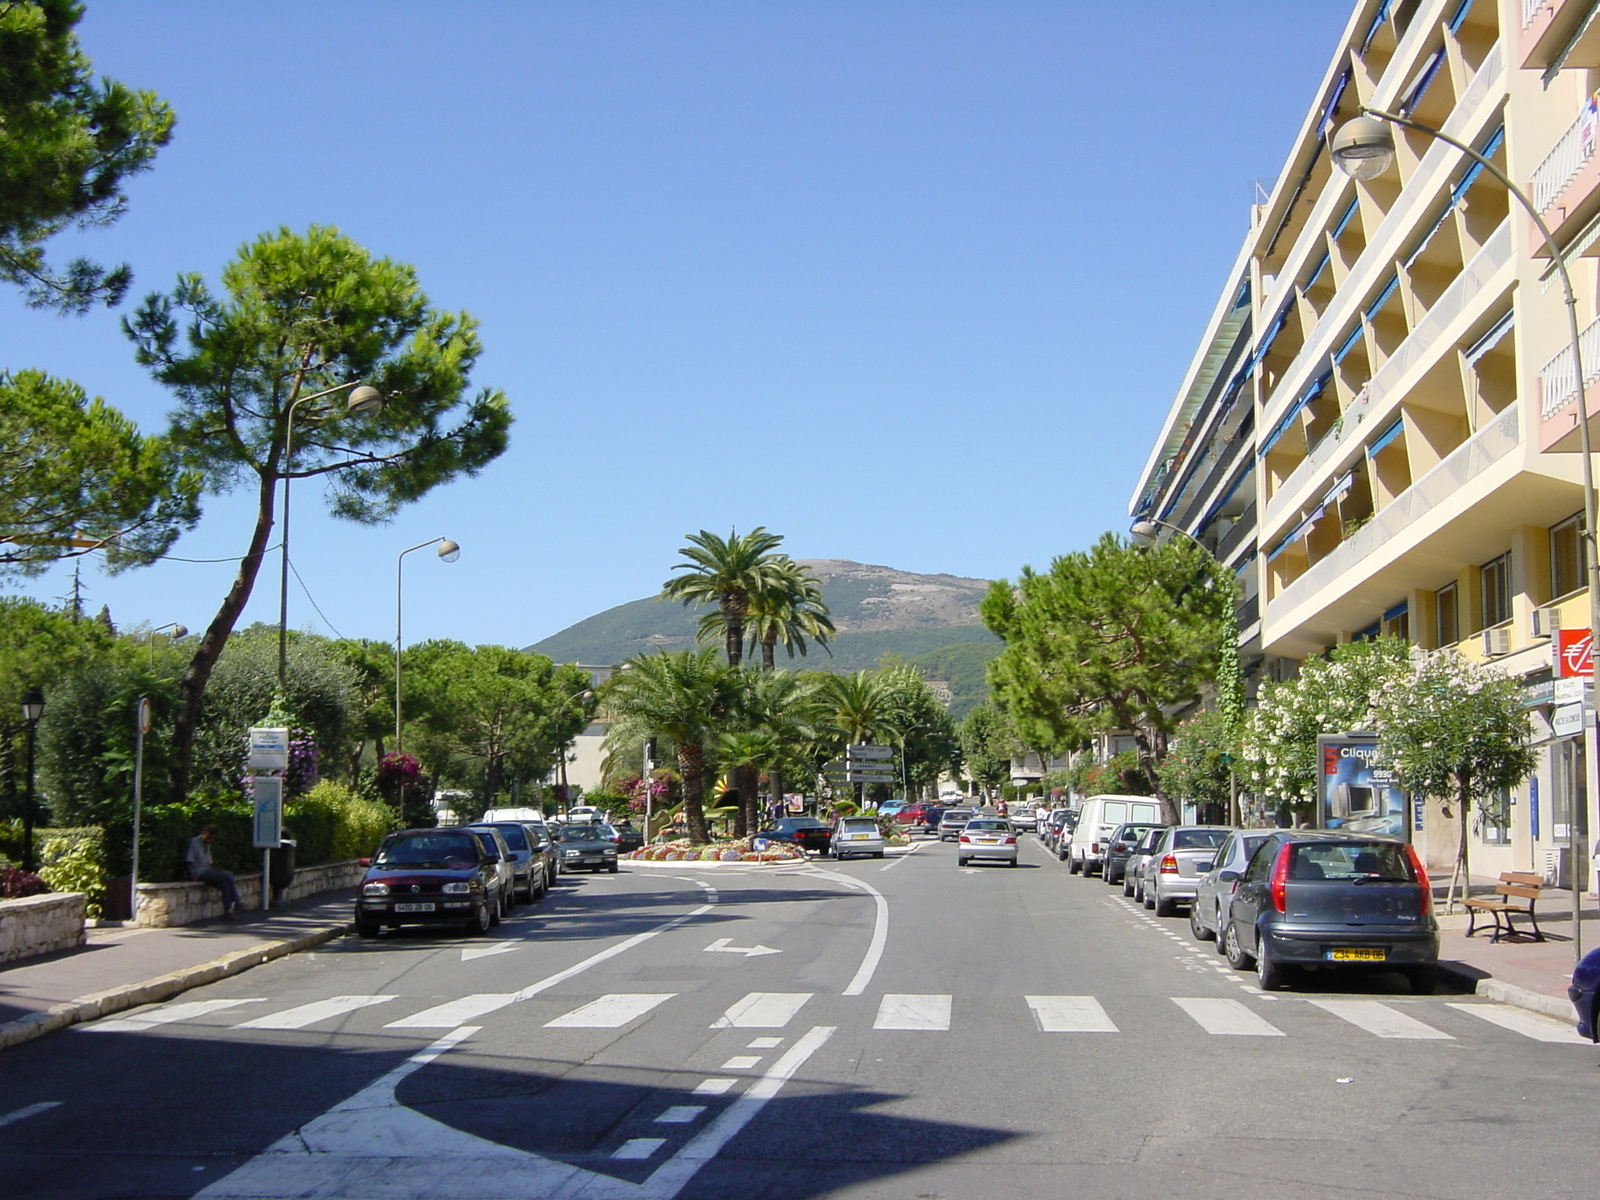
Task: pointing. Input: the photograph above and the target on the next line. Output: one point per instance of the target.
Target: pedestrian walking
(198, 860)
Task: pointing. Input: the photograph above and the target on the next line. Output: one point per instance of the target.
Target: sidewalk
(123, 966)
(1520, 970)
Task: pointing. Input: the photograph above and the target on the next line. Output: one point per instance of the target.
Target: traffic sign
(857, 777)
(1574, 653)
(864, 751)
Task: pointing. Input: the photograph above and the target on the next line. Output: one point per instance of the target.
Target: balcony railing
(1566, 158)
(1558, 380)
(1243, 528)
(1488, 446)
(1419, 344)
(1530, 10)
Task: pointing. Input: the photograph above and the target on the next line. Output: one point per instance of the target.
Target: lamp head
(364, 400)
(1363, 147)
(32, 705)
(179, 631)
(1144, 533)
(449, 551)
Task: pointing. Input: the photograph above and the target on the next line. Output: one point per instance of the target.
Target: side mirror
(365, 862)
(491, 858)
(1229, 877)
(1203, 867)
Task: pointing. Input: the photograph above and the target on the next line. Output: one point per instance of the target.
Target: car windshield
(429, 850)
(515, 835)
(581, 833)
(1360, 862)
(801, 823)
(1198, 839)
(1000, 825)
(957, 814)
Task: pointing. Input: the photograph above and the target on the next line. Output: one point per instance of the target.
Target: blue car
(1585, 995)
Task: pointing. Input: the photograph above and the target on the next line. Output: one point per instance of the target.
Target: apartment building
(1379, 432)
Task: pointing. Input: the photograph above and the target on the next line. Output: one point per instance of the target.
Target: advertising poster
(1353, 793)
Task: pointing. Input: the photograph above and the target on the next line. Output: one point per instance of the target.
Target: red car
(920, 816)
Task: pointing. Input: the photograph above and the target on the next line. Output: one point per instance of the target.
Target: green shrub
(165, 831)
(73, 860)
(345, 823)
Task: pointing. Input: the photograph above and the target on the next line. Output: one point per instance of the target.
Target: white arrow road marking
(720, 946)
(34, 1110)
(472, 952)
(374, 1143)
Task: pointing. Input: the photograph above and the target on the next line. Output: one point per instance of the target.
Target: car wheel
(1073, 866)
(479, 924)
(1166, 908)
(1148, 897)
(961, 862)
(1273, 976)
(1237, 958)
(1197, 927)
(1013, 862)
(367, 929)
(498, 911)
(612, 868)
(1424, 980)
(1127, 885)
(879, 854)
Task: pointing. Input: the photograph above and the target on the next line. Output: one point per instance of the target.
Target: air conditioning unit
(1546, 622)
(1557, 867)
(1496, 642)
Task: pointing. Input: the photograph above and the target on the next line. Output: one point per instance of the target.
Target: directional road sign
(863, 751)
(856, 777)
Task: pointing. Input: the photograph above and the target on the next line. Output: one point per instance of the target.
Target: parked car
(1120, 849)
(857, 837)
(1332, 900)
(492, 815)
(627, 837)
(495, 846)
(429, 877)
(1025, 819)
(1584, 993)
(953, 822)
(1133, 869)
(1173, 869)
(987, 837)
(1098, 818)
(806, 832)
(586, 847)
(1209, 912)
(544, 844)
(527, 863)
(1051, 832)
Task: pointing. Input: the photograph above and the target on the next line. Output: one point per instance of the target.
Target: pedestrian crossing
(899, 1012)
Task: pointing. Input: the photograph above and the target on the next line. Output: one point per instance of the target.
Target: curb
(162, 987)
(1498, 990)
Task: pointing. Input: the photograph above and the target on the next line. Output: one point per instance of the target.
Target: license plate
(859, 837)
(413, 908)
(1357, 954)
(990, 841)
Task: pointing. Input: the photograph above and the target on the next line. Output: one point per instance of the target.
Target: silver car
(857, 836)
(1133, 870)
(953, 821)
(987, 837)
(1172, 873)
(1208, 915)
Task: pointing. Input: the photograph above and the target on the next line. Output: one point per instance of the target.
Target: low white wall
(39, 924)
(166, 904)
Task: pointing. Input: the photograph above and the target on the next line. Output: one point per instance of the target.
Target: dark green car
(585, 847)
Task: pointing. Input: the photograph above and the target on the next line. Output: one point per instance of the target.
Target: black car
(527, 862)
(585, 847)
(627, 837)
(430, 877)
(1332, 900)
(806, 832)
(1119, 848)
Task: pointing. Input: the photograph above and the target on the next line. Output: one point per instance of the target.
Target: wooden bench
(1516, 894)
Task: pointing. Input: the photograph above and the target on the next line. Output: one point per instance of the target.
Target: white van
(1098, 820)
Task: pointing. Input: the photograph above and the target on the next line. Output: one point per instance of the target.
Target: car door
(1205, 896)
(1251, 894)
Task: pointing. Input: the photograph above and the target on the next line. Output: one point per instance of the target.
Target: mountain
(929, 620)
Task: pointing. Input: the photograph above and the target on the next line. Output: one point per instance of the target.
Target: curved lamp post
(1363, 148)
(449, 552)
(362, 400)
(174, 629)
(32, 710)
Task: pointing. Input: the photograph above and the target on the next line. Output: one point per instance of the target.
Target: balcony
(1488, 446)
(1560, 32)
(1558, 389)
(1565, 178)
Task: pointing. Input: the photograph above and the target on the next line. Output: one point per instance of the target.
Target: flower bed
(739, 850)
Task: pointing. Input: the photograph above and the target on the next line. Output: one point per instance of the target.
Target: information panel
(1353, 793)
(268, 825)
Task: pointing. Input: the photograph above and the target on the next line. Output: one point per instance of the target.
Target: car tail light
(1421, 873)
(965, 838)
(1169, 865)
(1011, 841)
(1280, 881)
(1094, 847)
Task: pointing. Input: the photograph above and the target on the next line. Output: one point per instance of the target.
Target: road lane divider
(880, 929)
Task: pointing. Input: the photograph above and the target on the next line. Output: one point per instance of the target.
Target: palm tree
(725, 572)
(779, 714)
(859, 707)
(684, 697)
(788, 608)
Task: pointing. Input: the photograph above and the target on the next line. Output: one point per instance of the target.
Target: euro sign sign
(1574, 653)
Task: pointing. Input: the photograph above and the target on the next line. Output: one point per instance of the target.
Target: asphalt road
(884, 1029)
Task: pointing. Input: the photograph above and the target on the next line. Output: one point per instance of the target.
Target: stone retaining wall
(39, 924)
(166, 904)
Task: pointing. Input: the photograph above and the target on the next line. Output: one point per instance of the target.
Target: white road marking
(638, 1148)
(611, 1011)
(471, 952)
(880, 930)
(765, 1044)
(711, 892)
(904, 1011)
(713, 1087)
(889, 866)
(1230, 1017)
(1381, 1020)
(310, 1014)
(762, 1010)
(1070, 1014)
(741, 1062)
(1528, 1024)
(680, 1114)
(454, 1012)
(32, 1110)
(720, 946)
(165, 1014)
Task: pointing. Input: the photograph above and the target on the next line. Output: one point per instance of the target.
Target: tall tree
(1113, 638)
(858, 708)
(685, 697)
(301, 313)
(987, 744)
(67, 144)
(77, 476)
(725, 572)
(788, 608)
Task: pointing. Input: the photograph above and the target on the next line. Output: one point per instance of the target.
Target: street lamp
(1363, 148)
(449, 552)
(175, 629)
(362, 400)
(587, 692)
(32, 710)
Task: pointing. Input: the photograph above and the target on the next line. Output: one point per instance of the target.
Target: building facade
(1379, 432)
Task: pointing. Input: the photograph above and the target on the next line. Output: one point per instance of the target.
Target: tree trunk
(733, 629)
(749, 777)
(1463, 798)
(192, 688)
(774, 793)
(691, 768)
(769, 648)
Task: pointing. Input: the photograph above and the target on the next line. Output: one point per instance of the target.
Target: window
(1448, 624)
(1397, 621)
(1261, 863)
(1566, 556)
(1494, 819)
(1496, 575)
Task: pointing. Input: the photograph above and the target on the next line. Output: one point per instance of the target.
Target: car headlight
(374, 889)
(455, 889)
(571, 853)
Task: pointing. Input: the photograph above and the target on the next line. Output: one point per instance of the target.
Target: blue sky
(908, 283)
